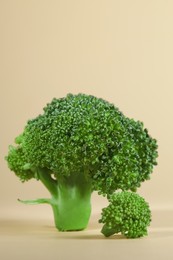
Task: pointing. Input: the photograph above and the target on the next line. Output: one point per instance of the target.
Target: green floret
(18, 163)
(128, 214)
(80, 144)
(83, 133)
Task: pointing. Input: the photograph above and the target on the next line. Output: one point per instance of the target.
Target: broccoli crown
(82, 134)
(127, 213)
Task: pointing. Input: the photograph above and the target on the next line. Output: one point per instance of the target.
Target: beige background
(119, 50)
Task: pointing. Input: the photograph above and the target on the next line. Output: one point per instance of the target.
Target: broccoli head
(127, 213)
(79, 144)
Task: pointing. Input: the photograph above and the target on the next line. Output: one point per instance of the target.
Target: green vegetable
(82, 144)
(127, 213)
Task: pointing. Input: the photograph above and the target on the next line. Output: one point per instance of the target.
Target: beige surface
(34, 239)
(118, 50)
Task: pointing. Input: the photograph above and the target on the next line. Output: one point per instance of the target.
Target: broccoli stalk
(70, 200)
(72, 206)
(82, 144)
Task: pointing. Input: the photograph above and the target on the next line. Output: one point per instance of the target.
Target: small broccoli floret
(128, 214)
(17, 162)
(80, 144)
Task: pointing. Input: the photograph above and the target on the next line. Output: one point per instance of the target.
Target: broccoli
(127, 213)
(80, 144)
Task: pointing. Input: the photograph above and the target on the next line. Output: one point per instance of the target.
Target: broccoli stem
(47, 180)
(35, 202)
(107, 231)
(72, 205)
(70, 199)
